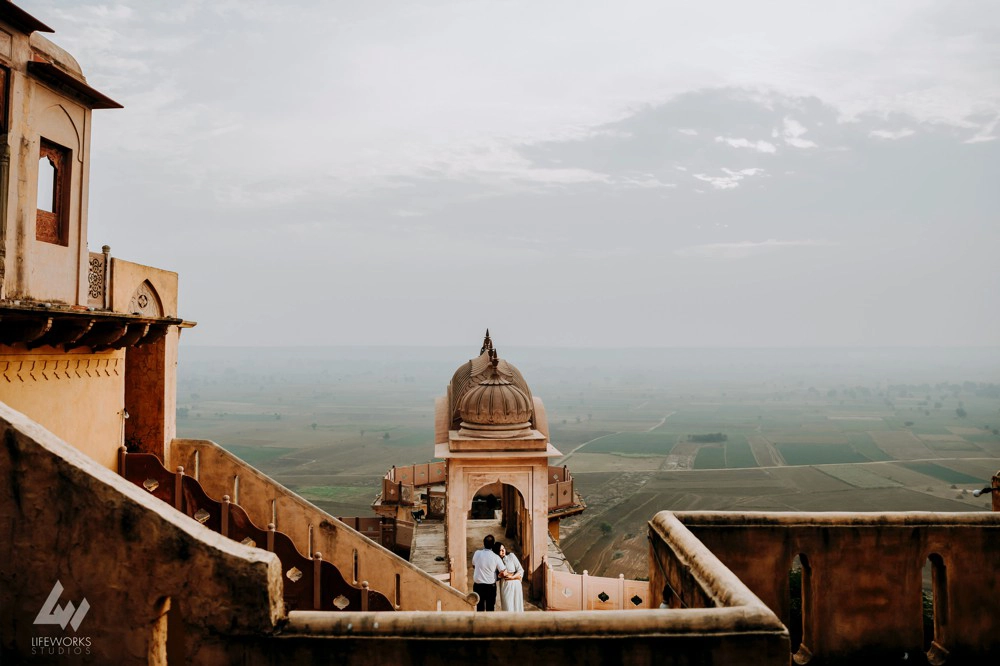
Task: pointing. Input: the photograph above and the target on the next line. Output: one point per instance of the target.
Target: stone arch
(58, 125)
(145, 301)
(520, 480)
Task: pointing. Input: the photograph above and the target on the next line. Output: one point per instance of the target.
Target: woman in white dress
(511, 598)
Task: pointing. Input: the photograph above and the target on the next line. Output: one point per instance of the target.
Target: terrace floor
(429, 552)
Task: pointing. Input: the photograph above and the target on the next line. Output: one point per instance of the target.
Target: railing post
(236, 489)
(546, 579)
(621, 591)
(106, 251)
(364, 596)
(179, 489)
(995, 484)
(225, 515)
(584, 593)
(122, 453)
(270, 537)
(197, 465)
(317, 579)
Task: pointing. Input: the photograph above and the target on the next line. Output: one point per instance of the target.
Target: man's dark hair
(488, 541)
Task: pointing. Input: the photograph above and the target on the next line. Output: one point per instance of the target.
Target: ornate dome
(495, 408)
(471, 373)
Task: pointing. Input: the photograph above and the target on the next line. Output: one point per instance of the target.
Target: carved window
(53, 178)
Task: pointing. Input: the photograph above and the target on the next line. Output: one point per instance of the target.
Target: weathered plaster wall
(55, 272)
(66, 518)
(126, 277)
(864, 588)
(34, 269)
(78, 395)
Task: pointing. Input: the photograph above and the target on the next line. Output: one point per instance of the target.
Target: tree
(312, 425)
(385, 435)
(606, 528)
(961, 413)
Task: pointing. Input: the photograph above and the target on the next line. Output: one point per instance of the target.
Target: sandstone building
(124, 544)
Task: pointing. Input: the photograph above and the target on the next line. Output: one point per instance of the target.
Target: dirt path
(662, 421)
(566, 457)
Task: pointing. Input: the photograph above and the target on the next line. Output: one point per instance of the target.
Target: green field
(942, 473)
(863, 444)
(819, 454)
(711, 456)
(647, 443)
(738, 453)
(858, 476)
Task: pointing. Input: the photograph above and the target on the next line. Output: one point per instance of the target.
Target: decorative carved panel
(95, 280)
(145, 301)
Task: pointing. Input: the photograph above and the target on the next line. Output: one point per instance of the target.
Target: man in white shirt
(487, 567)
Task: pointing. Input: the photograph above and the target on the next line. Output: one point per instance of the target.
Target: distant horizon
(552, 346)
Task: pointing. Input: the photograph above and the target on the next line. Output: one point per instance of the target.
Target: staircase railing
(310, 583)
(356, 556)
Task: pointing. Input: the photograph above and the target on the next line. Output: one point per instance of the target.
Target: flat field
(638, 437)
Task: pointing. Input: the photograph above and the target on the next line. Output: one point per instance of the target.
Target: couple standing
(493, 566)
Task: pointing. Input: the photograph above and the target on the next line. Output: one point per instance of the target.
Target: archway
(498, 509)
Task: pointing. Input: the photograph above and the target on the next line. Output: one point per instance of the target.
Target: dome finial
(487, 343)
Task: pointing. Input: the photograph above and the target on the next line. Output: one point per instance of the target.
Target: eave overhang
(65, 82)
(16, 17)
(37, 325)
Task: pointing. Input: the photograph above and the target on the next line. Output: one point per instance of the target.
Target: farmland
(641, 431)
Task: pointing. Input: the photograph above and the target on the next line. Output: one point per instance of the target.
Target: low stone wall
(862, 578)
(566, 591)
(730, 636)
(312, 529)
(156, 583)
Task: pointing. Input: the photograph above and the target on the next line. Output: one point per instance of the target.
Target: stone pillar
(539, 503)
(456, 526)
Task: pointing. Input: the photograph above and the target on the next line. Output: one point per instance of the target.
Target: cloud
(985, 132)
(892, 135)
(743, 249)
(645, 181)
(732, 178)
(759, 146)
(689, 132)
(792, 133)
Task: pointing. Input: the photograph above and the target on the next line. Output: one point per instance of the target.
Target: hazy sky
(568, 173)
